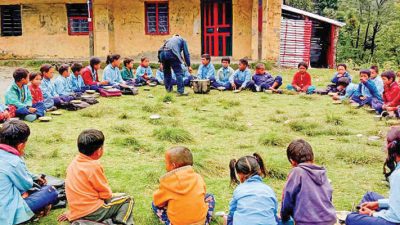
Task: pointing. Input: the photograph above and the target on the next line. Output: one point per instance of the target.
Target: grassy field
(216, 127)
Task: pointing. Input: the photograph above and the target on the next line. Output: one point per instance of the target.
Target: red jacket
(391, 95)
(37, 95)
(302, 80)
(88, 77)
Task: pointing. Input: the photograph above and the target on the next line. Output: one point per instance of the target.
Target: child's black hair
(389, 75)
(14, 132)
(206, 56)
(76, 67)
(33, 75)
(343, 81)
(143, 58)
(248, 166)
(300, 151)
(45, 68)
(260, 66)
(390, 162)
(90, 141)
(226, 59)
(343, 65)
(375, 67)
(181, 156)
(112, 57)
(244, 62)
(127, 61)
(20, 74)
(302, 64)
(63, 68)
(94, 61)
(365, 72)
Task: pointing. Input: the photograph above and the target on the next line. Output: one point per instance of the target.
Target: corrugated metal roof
(312, 15)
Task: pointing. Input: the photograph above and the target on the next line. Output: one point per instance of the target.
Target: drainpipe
(260, 28)
(91, 33)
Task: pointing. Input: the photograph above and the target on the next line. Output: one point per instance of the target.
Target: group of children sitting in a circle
(45, 94)
(182, 198)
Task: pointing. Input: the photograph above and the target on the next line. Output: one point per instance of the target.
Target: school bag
(110, 92)
(58, 184)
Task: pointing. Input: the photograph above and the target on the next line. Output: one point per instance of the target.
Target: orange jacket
(183, 191)
(86, 187)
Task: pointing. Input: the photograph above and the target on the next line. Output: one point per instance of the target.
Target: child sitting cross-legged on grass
(367, 93)
(88, 192)
(345, 89)
(253, 202)
(19, 96)
(307, 196)
(301, 80)
(262, 80)
(391, 93)
(181, 198)
(17, 203)
(374, 208)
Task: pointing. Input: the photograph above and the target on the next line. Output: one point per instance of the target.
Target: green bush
(173, 135)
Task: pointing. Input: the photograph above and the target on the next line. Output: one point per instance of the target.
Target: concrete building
(60, 28)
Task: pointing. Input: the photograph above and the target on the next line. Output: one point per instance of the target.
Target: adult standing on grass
(170, 55)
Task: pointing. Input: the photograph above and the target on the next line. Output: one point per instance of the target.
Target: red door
(217, 27)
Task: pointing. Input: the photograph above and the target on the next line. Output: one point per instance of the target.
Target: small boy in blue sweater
(242, 76)
(16, 204)
(144, 74)
(223, 74)
(262, 80)
(75, 79)
(367, 93)
(61, 83)
(341, 72)
(307, 196)
(206, 69)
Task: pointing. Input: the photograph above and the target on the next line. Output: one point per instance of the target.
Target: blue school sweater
(48, 89)
(177, 44)
(223, 75)
(76, 83)
(14, 180)
(62, 86)
(21, 98)
(265, 78)
(241, 76)
(160, 75)
(206, 72)
(391, 206)
(351, 89)
(307, 196)
(253, 203)
(140, 71)
(112, 75)
(335, 79)
(368, 89)
(378, 83)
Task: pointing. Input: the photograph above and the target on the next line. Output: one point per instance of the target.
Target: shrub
(173, 134)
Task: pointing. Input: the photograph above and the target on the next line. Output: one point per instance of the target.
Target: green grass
(216, 127)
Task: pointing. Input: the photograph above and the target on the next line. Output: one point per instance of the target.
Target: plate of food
(155, 117)
(221, 88)
(331, 93)
(45, 118)
(56, 113)
(337, 102)
(152, 84)
(355, 105)
(236, 91)
(76, 101)
(108, 87)
(90, 91)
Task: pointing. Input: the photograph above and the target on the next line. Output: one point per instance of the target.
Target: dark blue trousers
(170, 60)
(40, 110)
(358, 219)
(265, 85)
(40, 199)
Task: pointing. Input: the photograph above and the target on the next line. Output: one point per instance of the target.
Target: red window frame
(77, 33)
(157, 19)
